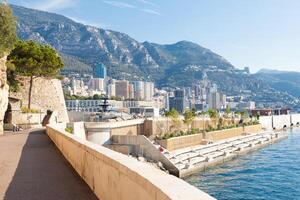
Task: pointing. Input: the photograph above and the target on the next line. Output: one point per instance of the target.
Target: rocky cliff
(3, 92)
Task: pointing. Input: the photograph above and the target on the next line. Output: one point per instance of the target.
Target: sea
(271, 173)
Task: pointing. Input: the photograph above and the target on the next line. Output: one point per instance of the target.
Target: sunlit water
(269, 173)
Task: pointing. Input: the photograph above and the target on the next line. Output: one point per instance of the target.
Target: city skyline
(257, 33)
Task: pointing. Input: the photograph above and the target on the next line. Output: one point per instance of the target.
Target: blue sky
(254, 33)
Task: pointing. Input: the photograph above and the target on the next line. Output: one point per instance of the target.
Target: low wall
(113, 176)
(27, 118)
(193, 140)
(181, 142)
(253, 129)
(100, 132)
(234, 132)
(163, 125)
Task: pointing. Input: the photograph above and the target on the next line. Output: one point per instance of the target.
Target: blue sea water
(271, 173)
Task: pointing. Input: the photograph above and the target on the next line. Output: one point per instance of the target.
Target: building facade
(99, 71)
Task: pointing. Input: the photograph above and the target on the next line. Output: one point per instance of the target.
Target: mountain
(124, 56)
(284, 81)
(181, 64)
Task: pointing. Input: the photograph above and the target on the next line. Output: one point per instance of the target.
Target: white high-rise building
(139, 90)
(148, 91)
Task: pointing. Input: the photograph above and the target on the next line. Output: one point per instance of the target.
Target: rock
(3, 92)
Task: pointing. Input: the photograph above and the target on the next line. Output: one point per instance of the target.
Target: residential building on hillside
(124, 89)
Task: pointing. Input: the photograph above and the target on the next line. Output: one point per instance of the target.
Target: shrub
(27, 110)
(69, 130)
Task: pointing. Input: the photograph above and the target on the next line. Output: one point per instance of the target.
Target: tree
(189, 116)
(227, 111)
(35, 60)
(174, 115)
(7, 29)
(213, 114)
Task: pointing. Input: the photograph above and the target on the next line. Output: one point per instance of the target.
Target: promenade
(31, 167)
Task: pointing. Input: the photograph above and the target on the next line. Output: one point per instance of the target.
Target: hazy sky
(254, 33)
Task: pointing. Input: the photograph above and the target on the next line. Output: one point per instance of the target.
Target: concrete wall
(144, 147)
(266, 122)
(296, 119)
(279, 121)
(114, 176)
(100, 132)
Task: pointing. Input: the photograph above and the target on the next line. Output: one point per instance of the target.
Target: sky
(253, 33)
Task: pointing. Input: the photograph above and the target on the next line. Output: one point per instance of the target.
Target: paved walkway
(31, 167)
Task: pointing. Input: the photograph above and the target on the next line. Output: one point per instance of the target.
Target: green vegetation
(189, 116)
(34, 60)
(72, 64)
(173, 113)
(227, 112)
(76, 97)
(27, 110)
(69, 129)
(7, 29)
(213, 114)
(197, 131)
(179, 133)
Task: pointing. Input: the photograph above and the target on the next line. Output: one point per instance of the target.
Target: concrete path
(31, 167)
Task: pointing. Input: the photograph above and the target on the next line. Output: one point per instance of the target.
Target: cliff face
(3, 91)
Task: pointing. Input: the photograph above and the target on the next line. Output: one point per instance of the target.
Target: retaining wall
(181, 142)
(113, 176)
(193, 140)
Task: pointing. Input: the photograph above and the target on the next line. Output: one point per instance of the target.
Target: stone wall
(193, 140)
(230, 133)
(162, 125)
(3, 92)
(47, 94)
(114, 176)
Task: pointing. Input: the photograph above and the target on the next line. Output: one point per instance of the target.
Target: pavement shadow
(44, 174)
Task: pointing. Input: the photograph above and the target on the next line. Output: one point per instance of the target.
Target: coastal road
(31, 167)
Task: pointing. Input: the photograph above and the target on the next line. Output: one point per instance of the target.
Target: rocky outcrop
(3, 91)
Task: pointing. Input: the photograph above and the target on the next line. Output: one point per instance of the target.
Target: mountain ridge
(175, 65)
(124, 56)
